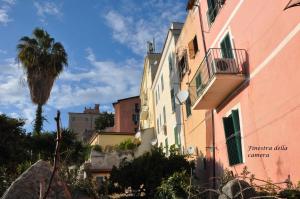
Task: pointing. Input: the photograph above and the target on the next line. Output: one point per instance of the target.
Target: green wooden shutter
(211, 10)
(230, 140)
(237, 134)
(226, 47)
(198, 83)
(188, 107)
(176, 136)
(173, 99)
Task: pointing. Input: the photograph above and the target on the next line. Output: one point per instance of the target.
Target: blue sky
(105, 41)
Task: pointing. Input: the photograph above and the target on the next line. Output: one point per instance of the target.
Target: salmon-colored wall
(270, 105)
(124, 109)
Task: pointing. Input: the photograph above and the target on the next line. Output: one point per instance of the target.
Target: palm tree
(43, 60)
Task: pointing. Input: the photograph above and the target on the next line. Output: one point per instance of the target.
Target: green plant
(98, 148)
(43, 60)
(176, 186)
(290, 194)
(128, 144)
(104, 120)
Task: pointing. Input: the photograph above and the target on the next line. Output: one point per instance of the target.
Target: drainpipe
(212, 111)
(214, 151)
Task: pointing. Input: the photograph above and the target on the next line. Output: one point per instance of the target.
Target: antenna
(181, 97)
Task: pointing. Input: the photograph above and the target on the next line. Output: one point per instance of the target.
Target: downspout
(212, 111)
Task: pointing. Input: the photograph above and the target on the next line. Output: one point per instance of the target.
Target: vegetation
(176, 186)
(19, 150)
(128, 144)
(148, 171)
(104, 120)
(43, 60)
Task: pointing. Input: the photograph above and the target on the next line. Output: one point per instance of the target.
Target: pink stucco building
(247, 81)
(127, 112)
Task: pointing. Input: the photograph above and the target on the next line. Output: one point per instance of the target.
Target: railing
(217, 61)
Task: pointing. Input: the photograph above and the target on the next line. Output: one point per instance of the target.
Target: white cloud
(47, 8)
(4, 19)
(14, 93)
(4, 9)
(105, 82)
(9, 2)
(134, 30)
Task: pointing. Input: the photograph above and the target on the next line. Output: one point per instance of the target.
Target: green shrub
(98, 148)
(290, 194)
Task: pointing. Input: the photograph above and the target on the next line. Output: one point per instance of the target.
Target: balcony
(219, 74)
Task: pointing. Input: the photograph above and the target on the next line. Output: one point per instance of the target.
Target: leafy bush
(176, 186)
(97, 148)
(148, 170)
(128, 144)
(290, 194)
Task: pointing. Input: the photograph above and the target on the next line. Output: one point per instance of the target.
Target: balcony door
(226, 47)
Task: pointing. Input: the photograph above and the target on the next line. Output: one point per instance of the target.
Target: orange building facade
(126, 115)
(243, 77)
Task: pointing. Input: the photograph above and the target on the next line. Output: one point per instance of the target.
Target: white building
(165, 85)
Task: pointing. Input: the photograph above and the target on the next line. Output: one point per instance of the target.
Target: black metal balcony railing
(217, 61)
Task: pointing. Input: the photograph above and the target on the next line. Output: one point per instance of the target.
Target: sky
(106, 45)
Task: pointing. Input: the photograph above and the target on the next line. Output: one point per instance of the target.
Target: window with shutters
(233, 138)
(214, 7)
(226, 47)
(170, 59)
(173, 100)
(162, 82)
(198, 84)
(182, 66)
(188, 107)
(167, 146)
(157, 124)
(193, 47)
(177, 137)
(164, 115)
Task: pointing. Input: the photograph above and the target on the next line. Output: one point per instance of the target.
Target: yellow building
(147, 114)
(189, 57)
(110, 139)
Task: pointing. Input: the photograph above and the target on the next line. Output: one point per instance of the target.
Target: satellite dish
(138, 134)
(154, 142)
(181, 97)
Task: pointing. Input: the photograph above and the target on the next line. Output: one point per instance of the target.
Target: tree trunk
(38, 122)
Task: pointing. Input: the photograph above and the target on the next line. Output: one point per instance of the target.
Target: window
(226, 48)
(162, 82)
(173, 100)
(198, 84)
(188, 107)
(137, 107)
(182, 65)
(86, 119)
(164, 114)
(156, 97)
(158, 92)
(233, 137)
(170, 59)
(135, 130)
(157, 121)
(167, 146)
(135, 118)
(193, 47)
(177, 136)
(160, 120)
(73, 118)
